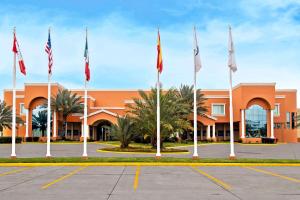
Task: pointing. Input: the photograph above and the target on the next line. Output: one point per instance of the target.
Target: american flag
(48, 50)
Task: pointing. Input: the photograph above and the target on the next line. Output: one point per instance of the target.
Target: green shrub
(32, 139)
(7, 140)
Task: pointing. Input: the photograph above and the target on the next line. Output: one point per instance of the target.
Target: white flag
(231, 57)
(197, 60)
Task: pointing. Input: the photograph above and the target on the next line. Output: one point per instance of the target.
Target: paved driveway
(284, 151)
(155, 183)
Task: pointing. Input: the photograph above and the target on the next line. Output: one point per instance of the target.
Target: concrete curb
(148, 164)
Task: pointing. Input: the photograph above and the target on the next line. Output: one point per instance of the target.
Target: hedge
(7, 140)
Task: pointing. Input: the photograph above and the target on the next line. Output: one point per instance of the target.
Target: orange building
(260, 111)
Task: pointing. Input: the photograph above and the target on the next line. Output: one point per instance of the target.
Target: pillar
(272, 123)
(27, 124)
(243, 123)
(201, 133)
(214, 133)
(72, 128)
(54, 125)
(82, 129)
(224, 135)
(208, 133)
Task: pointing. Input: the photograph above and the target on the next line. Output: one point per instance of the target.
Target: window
(218, 109)
(256, 122)
(288, 120)
(22, 109)
(277, 110)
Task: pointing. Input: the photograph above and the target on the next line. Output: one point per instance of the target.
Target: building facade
(259, 109)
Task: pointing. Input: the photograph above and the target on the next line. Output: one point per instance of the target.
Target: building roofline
(286, 90)
(254, 84)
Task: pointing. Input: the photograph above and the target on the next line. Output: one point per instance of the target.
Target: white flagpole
(232, 66)
(158, 154)
(195, 155)
(85, 123)
(232, 155)
(13, 136)
(85, 126)
(48, 154)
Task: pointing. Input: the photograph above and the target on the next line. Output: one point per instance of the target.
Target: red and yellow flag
(159, 65)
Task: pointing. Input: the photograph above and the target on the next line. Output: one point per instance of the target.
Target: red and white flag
(16, 49)
(87, 61)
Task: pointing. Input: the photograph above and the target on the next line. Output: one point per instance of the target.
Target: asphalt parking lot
(149, 182)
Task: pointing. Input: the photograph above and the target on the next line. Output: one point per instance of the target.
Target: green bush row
(7, 140)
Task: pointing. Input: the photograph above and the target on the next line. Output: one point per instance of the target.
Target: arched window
(256, 122)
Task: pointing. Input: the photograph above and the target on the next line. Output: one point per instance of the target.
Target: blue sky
(122, 41)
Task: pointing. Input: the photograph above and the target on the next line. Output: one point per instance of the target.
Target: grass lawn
(142, 149)
(166, 144)
(144, 159)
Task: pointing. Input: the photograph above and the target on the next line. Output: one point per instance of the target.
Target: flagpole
(195, 155)
(13, 138)
(85, 127)
(158, 154)
(48, 154)
(232, 154)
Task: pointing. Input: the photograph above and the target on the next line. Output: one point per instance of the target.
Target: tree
(39, 121)
(123, 131)
(186, 93)
(173, 114)
(6, 116)
(66, 103)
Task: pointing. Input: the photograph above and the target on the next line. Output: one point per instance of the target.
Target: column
(82, 129)
(224, 132)
(201, 134)
(214, 133)
(72, 136)
(54, 125)
(272, 123)
(27, 124)
(208, 132)
(243, 123)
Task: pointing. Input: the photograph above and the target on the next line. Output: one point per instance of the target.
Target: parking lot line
(273, 174)
(214, 179)
(63, 177)
(14, 171)
(136, 179)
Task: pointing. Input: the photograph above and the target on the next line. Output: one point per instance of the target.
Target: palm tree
(66, 103)
(173, 114)
(6, 116)
(39, 121)
(186, 93)
(123, 131)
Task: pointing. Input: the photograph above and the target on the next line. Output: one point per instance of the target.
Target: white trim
(108, 108)
(279, 96)
(210, 117)
(76, 114)
(89, 97)
(10, 90)
(277, 104)
(286, 90)
(216, 96)
(126, 101)
(19, 96)
(253, 84)
(100, 111)
(218, 104)
(214, 90)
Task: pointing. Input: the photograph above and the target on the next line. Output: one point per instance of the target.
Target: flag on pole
(197, 59)
(16, 49)
(159, 65)
(48, 50)
(87, 64)
(231, 59)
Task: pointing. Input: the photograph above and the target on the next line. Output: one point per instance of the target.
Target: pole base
(157, 157)
(232, 158)
(84, 157)
(195, 157)
(48, 157)
(13, 157)
(214, 139)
